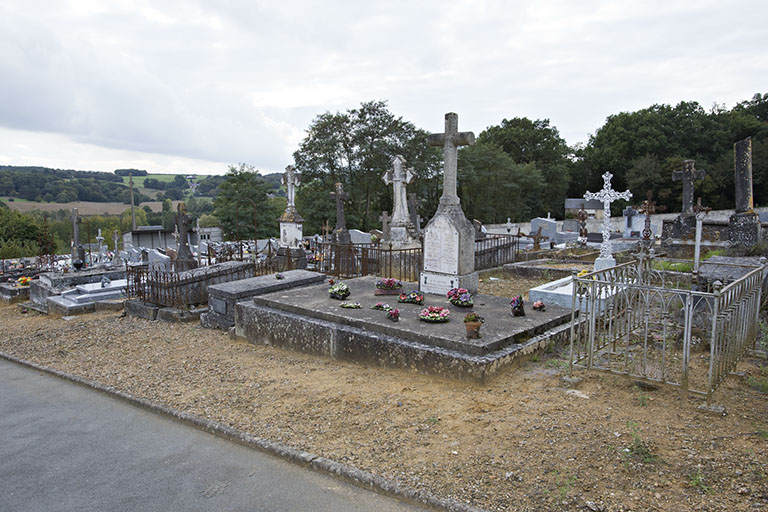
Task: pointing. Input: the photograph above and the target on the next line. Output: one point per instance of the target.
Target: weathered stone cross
(607, 195)
(340, 196)
(414, 203)
(450, 140)
(384, 218)
(537, 238)
(648, 208)
(399, 176)
(291, 179)
(687, 176)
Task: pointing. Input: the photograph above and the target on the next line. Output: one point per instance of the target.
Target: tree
(180, 182)
(242, 203)
(355, 148)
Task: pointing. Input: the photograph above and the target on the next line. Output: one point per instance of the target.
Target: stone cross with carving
(340, 196)
(414, 203)
(450, 140)
(99, 239)
(648, 208)
(688, 175)
(399, 176)
(290, 180)
(607, 195)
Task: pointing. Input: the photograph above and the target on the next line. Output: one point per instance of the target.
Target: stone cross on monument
(290, 180)
(449, 238)
(688, 175)
(185, 260)
(384, 218)
(743, 226)
(414, 203)
(116, 241)
(399, 176)
(450, 140)
(607, 195)
(340, 234)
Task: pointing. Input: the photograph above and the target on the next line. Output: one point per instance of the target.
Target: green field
(15, 200)
(138, 181)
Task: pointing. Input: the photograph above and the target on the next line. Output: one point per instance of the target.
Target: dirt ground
(521, 442)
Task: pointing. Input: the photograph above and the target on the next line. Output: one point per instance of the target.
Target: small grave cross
(290, 180)
(340, 196)
(99, 239)
(76, 220)
(414, 203)
(451, 139)
(648, 208)
(537, 238)
(607, 195)
(688, 175)
(582, 216)
(326, 229)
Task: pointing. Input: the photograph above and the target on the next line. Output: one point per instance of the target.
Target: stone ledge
(135, 307)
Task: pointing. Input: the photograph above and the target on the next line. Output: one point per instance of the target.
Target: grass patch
(697, 482)
(563, 486)
(673, 266)
(638, 450)
(642, 398)
(759, 384)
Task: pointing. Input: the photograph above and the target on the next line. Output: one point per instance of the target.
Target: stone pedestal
(449, 252)
(683, 225)
(601, 263)
(744, 229)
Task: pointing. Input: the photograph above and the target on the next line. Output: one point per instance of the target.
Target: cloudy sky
(192, 86)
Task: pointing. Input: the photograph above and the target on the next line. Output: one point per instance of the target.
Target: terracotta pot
(473, 329)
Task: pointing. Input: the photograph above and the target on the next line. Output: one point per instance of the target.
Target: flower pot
(387, 291)
(518, 311)
(473, 329)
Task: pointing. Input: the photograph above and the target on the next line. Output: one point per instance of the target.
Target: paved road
(67, 448)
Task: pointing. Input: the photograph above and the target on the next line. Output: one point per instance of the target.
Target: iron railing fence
(355, 260)
(641, 319)
(496, 250)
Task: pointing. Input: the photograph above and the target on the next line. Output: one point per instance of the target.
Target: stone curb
(344, 472)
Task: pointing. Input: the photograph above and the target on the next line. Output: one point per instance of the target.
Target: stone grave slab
(55, 283)
(548, 227)
(83, 298)
(10, 294)
(307, 320)
(223, 297)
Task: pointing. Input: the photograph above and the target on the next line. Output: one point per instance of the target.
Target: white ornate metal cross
(607, 195)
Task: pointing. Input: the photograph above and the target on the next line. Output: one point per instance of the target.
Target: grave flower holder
(434, 315)
(517, 305)
(473, 322)
(339, 291)
(460, 297)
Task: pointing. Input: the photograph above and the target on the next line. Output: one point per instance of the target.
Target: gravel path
(519, 443)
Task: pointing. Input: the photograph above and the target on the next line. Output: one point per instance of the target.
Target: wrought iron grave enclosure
(644, 320)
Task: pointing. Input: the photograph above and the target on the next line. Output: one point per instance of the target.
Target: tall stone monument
(291, 231)
(607, 195)
(744, 225)
(341, 233)
(78, 252)
(185, 260)
(686, 221)
(449, 238)
(400, 227)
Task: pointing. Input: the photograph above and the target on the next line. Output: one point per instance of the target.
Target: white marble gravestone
(291, 230)
(449, 238)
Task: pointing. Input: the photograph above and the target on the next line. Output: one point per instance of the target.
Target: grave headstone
(744, 225)
(571, 226)
(158, 260)
(359, 237)
(548, 227)
(449, 241)
(628, 213)
(686, 221)
(607, 195)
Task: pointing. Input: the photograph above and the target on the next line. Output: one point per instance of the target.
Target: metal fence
(184, 289)
(653, 321)
(495, 251)
(355, 260)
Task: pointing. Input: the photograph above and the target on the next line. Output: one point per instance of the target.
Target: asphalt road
(67, 448)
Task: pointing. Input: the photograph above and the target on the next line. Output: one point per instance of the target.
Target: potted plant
(388, 286)
(393, 314)
(473, 321)
(434, 314)
(517, 304)
(415, 297)
(338, 291)
(24, 281)
(460, 297)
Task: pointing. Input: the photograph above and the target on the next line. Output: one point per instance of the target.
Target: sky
(186, 86)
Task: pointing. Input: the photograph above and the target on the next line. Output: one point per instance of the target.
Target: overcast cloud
(192, 86)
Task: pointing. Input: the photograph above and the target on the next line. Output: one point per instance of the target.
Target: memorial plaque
(441, 243)
(435, 281)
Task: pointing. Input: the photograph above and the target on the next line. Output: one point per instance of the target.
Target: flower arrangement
(389, 284)
(24, 281)
(381, 306)
(517, 304)
(539, 306)
(351, 305)
(435, 314)
(472, 318)
(415, 297)
(338, 291)
(460, 297)
(394, 314)
(279, 276)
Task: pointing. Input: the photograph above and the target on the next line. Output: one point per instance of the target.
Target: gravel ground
(519, 443)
